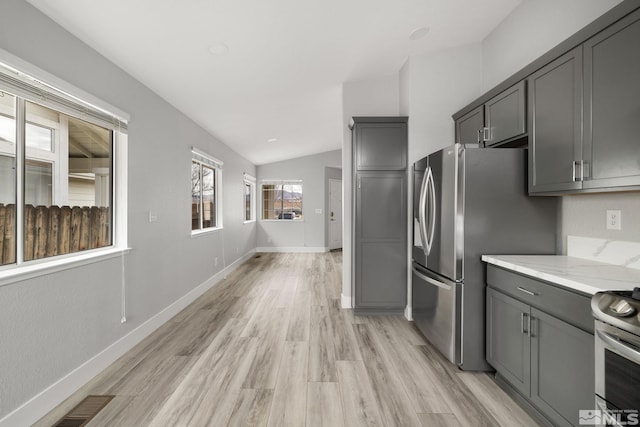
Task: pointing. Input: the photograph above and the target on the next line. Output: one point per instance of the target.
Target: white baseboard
(41, 404)
(408, 313)
(292, 249)
(346, 301)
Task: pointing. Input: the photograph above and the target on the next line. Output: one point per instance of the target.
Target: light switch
(153, 216)
(319, 211)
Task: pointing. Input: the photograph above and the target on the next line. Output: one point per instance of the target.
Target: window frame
(210, 162)
(281, 183)
(36, 86)
(250, 181)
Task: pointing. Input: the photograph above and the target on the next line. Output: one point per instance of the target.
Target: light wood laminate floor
(270, 346)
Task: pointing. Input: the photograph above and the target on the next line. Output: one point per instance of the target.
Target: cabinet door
(555, 125)
(562, 368)
(381, 236)
(505, 114)
(469, 127)
(508, 343)
(612, 106)
(381, 146)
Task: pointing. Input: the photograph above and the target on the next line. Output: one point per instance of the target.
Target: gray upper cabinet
(584, 115)
(380, 146)
(505, 115)
(469, 128)
(380, 214)
(500, 119)
(555, 124)
(612, 106)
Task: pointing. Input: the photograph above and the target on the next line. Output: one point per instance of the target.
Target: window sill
(12, 274)
(282, 220)
(250, 221)
(196, 233)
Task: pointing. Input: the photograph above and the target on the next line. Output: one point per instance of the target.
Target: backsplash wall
(585, 215)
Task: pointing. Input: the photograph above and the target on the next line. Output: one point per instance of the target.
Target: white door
(335, 214)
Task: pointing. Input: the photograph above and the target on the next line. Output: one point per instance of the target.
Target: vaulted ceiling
(249, 71)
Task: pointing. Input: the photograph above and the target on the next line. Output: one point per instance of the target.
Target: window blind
(39, 92)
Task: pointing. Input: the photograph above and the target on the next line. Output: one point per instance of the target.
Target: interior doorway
(335, 214)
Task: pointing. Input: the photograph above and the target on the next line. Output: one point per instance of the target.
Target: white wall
(308, 234)
(532, 29)
(433, 87)
(517, 41)
(372, 97)
(52, 324)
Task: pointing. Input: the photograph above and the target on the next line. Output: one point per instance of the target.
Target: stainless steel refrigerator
(469, 202)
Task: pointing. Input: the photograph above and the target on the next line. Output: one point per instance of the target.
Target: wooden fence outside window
(54, 230)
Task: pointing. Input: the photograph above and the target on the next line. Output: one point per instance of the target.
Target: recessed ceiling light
(418, 33)
(272, 140)
(218, 49)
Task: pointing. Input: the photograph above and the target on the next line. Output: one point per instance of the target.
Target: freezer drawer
(436, 311)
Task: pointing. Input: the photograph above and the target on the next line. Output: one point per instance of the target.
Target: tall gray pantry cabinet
(380, 214)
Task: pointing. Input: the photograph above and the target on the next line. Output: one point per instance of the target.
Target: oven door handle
(620, 346)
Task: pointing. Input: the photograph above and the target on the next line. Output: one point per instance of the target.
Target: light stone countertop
(580, 274)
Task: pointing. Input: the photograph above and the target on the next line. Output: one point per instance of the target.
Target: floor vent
(84, 411)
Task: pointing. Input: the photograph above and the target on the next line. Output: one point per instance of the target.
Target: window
(282, 200)
(56, 172)
(249, 199)
(205, 192)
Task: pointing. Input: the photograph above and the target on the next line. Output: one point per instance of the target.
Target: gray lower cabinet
(508, 345)
(583, 115)
(380, 244)
(547, 358)
(380, 215)
(562, 368)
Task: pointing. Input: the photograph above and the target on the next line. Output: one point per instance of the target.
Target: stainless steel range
(617, 337)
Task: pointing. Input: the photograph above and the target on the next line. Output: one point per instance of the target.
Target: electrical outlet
(153, 216)
(614, 220)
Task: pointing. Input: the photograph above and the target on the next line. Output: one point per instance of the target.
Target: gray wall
(310, 232)
(51, 325)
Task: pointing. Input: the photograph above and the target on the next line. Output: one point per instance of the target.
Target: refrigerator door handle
(430, 280)
(432, 206)
(421, 213)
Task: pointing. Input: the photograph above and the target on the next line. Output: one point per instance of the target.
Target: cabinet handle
(486, 135)
(526, 291)
(523, 329)
(530, 323)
